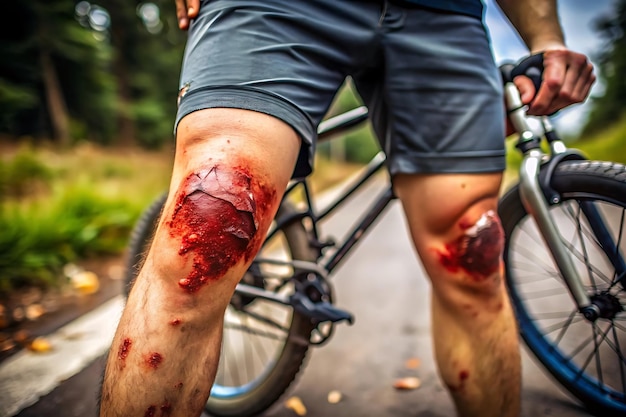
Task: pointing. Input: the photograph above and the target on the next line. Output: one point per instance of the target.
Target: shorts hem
(472, 163)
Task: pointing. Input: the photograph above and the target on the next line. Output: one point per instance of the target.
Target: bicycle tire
(552, 332)
(251, 398)
(140, 239)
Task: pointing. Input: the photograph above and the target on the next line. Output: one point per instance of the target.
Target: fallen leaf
(334, 396)
(295, 403)
(412, 363)
(34, 311)
(86, 282)
(70, 270)
(74, 336)
(18, 314)
(407, 383)
(116, 272)
(7, 345)
(40, 345)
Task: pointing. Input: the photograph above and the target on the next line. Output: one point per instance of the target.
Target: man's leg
(230, 171)
(456, 231)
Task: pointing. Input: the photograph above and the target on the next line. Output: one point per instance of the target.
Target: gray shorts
(428, 77)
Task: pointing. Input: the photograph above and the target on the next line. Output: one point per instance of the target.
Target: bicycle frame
(536, 194)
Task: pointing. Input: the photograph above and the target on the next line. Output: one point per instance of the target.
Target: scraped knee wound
(215, 220)
(478, 251)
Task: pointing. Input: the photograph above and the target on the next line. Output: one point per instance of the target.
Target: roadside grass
(61, 206)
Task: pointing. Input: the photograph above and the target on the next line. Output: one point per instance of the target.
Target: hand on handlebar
(567, 79)
(185, 11)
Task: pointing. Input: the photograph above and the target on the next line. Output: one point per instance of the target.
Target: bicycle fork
(534, 201)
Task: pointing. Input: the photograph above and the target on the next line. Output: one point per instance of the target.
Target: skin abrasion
(124, 350)
(460, 387)
(215, 222)
(154, 359)
(478, 251)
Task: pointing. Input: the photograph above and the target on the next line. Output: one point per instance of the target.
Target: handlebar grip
(531, 67)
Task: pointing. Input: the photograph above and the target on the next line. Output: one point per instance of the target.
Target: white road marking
(27, 376)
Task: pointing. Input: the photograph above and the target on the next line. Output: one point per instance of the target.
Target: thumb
(526, 88)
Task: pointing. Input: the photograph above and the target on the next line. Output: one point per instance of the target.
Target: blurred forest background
(87, 102)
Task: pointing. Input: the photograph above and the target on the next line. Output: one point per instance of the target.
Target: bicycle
(284, 302)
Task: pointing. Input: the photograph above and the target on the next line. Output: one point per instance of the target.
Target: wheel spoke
(585, 255)
(253, 331)
(564, 329)
(587, 361)
(265, 320)
(622, 362)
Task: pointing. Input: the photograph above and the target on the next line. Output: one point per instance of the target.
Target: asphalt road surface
(383, 285)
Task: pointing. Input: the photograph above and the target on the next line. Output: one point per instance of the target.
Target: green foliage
(73, 206)
(122, 74)
(13, 100)
(80, 65)
(23, 175)
(357, 146)
(608, 144)
(76, 222)
(611, 106)
(154, 124)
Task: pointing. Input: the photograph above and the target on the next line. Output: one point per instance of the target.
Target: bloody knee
(216, 220)
(477, 252)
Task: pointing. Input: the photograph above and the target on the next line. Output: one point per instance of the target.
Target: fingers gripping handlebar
(531, 67)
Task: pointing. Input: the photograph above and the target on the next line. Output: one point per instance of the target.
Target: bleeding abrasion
(478, 251)
(214, 218)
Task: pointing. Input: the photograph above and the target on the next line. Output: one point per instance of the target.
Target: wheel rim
(255, 332)
(590, 355)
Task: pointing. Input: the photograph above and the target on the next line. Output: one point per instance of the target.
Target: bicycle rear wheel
(264, 342)
(586, 357)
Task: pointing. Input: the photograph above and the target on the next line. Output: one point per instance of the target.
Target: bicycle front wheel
(586, 357)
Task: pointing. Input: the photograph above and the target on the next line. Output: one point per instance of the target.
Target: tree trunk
(120, 38)
(125, 122)
(57, 109)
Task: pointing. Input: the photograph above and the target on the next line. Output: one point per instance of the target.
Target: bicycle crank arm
(318, 311)
(536, 205)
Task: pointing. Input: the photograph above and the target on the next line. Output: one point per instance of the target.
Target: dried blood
(215, 220)
(478, 251)
(124, 349)
(166, 409)
(463, 375)
(154, 359)
(150, 411)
